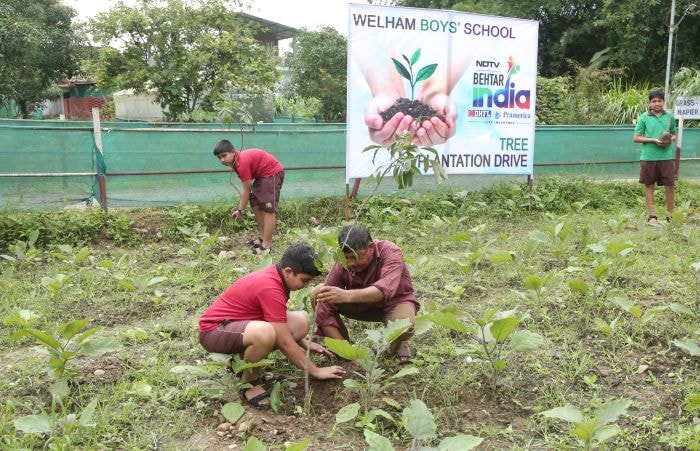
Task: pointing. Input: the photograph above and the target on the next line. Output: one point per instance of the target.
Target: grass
(142, 404)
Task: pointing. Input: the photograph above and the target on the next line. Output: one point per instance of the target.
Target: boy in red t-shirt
(250, 318)
(261, 175)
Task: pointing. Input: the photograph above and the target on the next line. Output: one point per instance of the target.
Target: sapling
(23, 252)
(229, 382)
(372, 380)
(406, 159)
(419, 422)
(68, 342)
(495, 336)
(67, 254)
(596, 428)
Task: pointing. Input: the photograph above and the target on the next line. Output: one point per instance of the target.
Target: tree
(38, 46)
(185, 54)
(319, 70)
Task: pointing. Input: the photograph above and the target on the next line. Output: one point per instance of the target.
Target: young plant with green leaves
(495, 336)
(23, 252)
(406, 159)
(372, 380)
(67, 342)
(230, 382)
(554, 237)
(419, 422)
(596, 428)
(57, 423)
(68, 254)
(479, 252)
(407, 71)
(203, 241)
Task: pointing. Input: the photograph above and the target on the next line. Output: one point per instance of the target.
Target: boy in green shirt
(656, 130)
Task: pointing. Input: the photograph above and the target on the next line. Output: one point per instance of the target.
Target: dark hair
(656, 93)
(223, 146)
(302, 258)
(354, 237)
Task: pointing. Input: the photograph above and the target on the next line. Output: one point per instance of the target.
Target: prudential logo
(491, 90)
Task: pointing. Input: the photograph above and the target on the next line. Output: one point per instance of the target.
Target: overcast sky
(294, 13)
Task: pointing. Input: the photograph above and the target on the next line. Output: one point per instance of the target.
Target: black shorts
(662, 172)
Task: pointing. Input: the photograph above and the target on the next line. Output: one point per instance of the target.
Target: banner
(462, 83)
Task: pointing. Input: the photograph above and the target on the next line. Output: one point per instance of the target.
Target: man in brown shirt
(375, 286)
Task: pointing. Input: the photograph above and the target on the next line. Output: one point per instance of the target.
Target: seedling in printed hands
(412, 107)
(407, 72)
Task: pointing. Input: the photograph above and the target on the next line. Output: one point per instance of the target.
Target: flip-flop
(261, 250)
(255, 242)
(256, 401)
(404, 354)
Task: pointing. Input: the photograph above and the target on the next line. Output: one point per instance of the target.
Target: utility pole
(671, 30)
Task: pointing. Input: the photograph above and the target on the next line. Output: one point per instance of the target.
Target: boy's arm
(243, 201)
(643, 139)
(290, 348)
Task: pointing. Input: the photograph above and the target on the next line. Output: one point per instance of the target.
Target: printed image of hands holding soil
(429, 114)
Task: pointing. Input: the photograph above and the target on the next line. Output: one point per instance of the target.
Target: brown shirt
(387, 272)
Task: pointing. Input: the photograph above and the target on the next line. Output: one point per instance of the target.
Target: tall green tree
(38, 46)
(319, 70)
(186, 53)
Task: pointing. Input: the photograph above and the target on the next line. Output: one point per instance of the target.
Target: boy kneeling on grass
(251, 319)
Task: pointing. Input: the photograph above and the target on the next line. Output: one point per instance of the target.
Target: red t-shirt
(253, 164)
(260, 296)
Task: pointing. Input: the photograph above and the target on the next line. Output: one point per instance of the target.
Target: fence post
(101, 179)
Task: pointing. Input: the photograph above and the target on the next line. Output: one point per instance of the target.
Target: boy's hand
(317, 348)
(237, 214)
(329, 372)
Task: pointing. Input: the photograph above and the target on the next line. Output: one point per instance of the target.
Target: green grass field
(594, 313)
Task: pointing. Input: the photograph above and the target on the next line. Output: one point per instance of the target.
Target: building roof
(270, 28)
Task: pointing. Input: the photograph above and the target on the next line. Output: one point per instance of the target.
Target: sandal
(255, 242)
(404, 354)
(257, 401)
(261, 250)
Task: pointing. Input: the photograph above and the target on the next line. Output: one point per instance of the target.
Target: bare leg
(649, 198)
(670, 197)
(267, 222)
(401, 311)
(259, 340)
(298, 324)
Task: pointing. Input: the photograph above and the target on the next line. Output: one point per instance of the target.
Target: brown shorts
(661, 172)
(226, 338)
(266, 192)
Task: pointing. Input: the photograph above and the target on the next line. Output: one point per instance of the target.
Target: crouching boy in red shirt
(250, 318)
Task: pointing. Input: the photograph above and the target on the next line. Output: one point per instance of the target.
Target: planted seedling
(67, 254)
(230, 382)
(23, 252)
(596, 428)
(496, 337)
(420, 424)
(406, 160)
(203, 241)
(372, 380)
(68, 342)
(414, 108)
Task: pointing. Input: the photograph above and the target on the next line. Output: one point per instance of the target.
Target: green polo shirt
(650, 125)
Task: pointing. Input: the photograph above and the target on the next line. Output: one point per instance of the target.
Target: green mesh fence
(176, 164)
